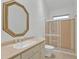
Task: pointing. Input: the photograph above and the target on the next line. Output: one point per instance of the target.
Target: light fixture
(61, 17)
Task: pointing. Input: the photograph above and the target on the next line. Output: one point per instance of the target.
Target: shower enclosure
(61, 34)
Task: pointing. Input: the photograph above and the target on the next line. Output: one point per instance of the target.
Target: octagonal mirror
(15, 18)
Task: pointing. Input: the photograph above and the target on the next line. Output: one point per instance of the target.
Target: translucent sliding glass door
(60, 33)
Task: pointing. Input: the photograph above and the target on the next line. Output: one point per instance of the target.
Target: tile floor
(59, 55)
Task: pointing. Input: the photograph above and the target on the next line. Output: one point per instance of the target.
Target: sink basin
(22, 45)
(19, 45)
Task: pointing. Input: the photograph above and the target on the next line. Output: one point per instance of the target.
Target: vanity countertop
(8, 51)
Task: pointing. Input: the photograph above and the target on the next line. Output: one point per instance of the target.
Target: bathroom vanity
(33, 50)
(16, 27)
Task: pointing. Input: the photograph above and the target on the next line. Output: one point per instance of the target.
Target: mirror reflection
(16, 23)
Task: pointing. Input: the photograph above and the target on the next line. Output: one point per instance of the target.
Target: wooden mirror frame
(5, 18)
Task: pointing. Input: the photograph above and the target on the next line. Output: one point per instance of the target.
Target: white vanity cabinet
(17, 57)
(36, 56)
(34, 52)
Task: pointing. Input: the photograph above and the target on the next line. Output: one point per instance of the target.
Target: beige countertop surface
(8, 51)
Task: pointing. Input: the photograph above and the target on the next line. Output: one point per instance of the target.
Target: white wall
(36, 19)
(61, 7)
(70, 11)
(46, 9)
(39, 11)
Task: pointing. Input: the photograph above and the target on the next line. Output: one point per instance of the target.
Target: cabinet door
(17, 57)
(25, 55)
(36, 56)
(30, 52)
(40, 53)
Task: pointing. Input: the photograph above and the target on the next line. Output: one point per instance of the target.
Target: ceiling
(59, 4)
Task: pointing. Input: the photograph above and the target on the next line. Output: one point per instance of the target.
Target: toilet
(49, 50)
